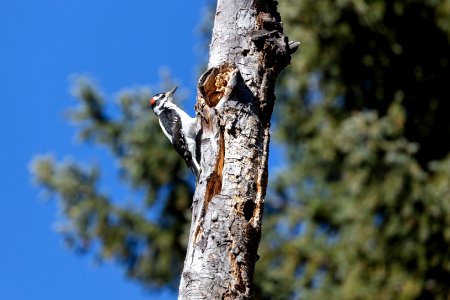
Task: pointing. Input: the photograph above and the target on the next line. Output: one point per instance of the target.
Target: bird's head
(159, 100)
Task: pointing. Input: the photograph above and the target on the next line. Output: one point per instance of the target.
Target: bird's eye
(162, 96)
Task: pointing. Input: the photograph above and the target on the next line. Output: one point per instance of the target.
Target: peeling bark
(234, 104)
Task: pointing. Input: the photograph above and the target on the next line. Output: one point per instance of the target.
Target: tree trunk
(234, 104)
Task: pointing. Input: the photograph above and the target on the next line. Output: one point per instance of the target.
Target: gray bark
(234, 105)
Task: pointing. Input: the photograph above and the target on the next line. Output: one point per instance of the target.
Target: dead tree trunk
(234, 105)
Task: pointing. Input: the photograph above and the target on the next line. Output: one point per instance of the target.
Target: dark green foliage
(151, 249)
(363, 210)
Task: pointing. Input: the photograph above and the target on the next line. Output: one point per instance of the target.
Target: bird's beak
(171, 92)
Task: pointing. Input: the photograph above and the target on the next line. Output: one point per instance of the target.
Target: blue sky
(121, 44)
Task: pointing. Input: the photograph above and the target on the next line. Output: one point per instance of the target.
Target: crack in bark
(239, 285)
(237, 269)
(198, 231)
(261, 181)
(214, 184)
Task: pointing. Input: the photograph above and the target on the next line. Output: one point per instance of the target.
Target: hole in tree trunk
(249, 206)
(214, 83)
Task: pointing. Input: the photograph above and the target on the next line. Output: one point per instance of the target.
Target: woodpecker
(178, 126)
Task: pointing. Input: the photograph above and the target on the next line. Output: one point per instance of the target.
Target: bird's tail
(195, 169)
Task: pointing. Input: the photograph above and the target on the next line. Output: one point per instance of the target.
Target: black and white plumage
(179, 128)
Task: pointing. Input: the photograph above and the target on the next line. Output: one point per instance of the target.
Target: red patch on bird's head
(152, 102)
